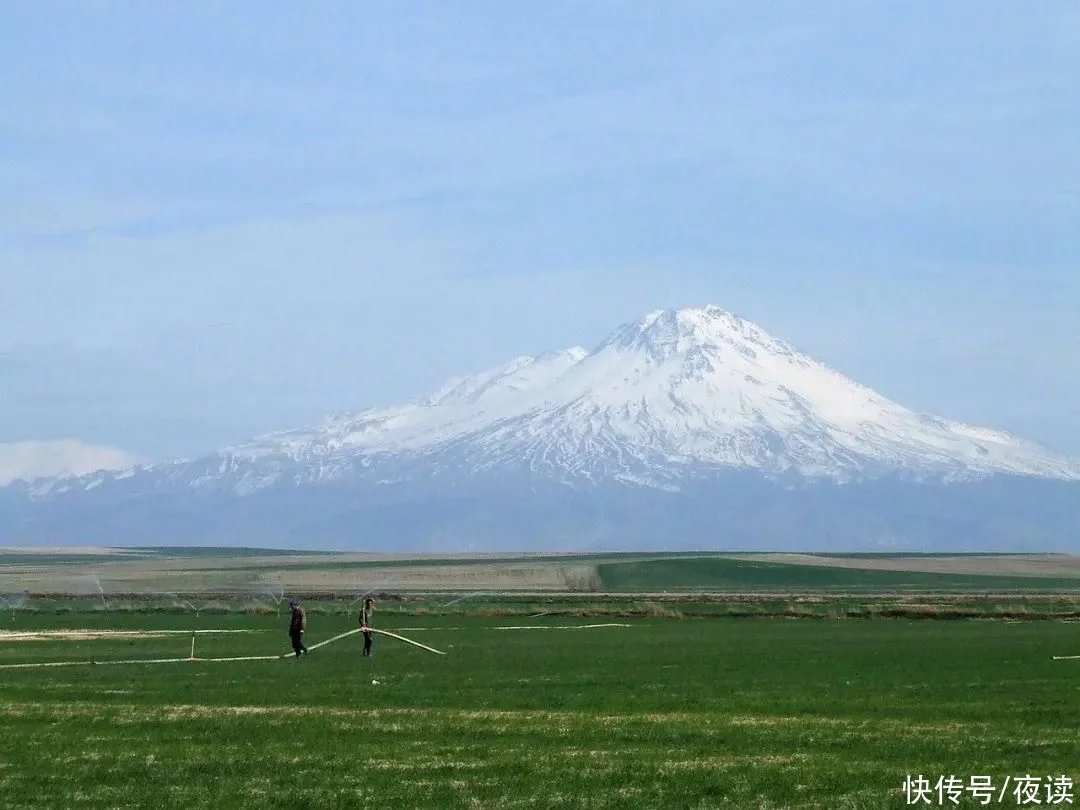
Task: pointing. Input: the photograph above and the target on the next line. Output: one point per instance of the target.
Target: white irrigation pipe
(335, 638)
(192, 657)
(97, 663)
(557, 626)
(406, 640)
(383, 632)
(1066, 657)
(381, 584)
(51, 664)
(438, 629)
(171, 632)
(142, 661)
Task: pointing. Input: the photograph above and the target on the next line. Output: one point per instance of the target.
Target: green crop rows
(721, 573)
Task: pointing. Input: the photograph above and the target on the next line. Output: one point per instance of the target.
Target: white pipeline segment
(556, 626)
(335, 638)
(249, 658)
(1066, 657)
(383, 632)
(47, 664)
(193, 659)
(98, 663)
(406, 640)
(142, 661)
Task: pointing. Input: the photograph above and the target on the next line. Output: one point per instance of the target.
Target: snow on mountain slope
(692, 389)
(520, 375)
(34, 460)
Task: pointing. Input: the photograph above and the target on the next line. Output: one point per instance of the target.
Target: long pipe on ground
(192, 657)
(407, 640)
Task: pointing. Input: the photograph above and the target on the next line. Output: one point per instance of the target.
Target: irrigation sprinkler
(101, 591)
(364, 595)
(276, 594)
(186, 602)
(179, 600)
(462, 598)
(14, 602)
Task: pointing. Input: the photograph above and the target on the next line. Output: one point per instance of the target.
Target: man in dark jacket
(365, 623)
(297, 626)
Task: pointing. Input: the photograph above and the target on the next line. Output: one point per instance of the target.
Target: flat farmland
(536, 712)
(252, 571)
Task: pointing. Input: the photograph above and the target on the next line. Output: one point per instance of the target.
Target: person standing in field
(297, 626)
(365, 623)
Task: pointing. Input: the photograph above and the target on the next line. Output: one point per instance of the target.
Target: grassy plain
(727, 574)
(741, 681)
(664, 713)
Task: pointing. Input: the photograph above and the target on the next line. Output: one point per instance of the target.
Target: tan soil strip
(157, 580)
(91, 635)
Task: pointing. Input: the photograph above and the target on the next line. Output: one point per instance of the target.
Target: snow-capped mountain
(673, 390)
(671, 403)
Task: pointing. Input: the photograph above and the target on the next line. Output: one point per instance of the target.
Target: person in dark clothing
(365, 623)
(297, 626)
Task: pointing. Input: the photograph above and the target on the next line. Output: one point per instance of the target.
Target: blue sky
(222, 219)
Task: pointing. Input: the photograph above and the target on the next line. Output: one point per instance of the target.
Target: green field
(236, 575)
(678, 713)
(725, 574)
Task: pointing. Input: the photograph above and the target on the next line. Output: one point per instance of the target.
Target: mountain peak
(677, 389)
(688, 319)
(664, 333)
(673, 395)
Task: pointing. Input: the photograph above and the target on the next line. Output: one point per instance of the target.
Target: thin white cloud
(32, 459)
